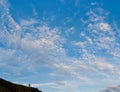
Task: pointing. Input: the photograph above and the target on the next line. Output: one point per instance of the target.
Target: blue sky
(61, 45)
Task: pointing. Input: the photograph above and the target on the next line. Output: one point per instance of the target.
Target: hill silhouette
(6, 86)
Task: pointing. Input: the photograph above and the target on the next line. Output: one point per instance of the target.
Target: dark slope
(6, 86)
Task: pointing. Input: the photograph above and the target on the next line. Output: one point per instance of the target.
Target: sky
(61, 45)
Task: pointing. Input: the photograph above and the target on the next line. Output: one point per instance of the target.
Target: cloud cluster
(26, 44)
(97, 44)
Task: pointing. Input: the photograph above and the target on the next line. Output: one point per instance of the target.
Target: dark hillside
(6, 86)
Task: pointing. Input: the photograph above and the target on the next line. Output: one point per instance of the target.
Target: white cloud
(70, 30)
(70, 70)
(102, 34)
(93, 3)
(33, 44)
(59, 85)
(104, 65)
(28, 22)
(104, 26)
(94, 17)
(38, 45)
(81, 44)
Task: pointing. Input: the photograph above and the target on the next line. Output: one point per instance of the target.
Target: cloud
(104, 66)
(97, 43)
(59, 85)
(40, 45)
(28, 22)
(99, 34)
(65, 70)
(111, 89)
(93, 3)
(104, 26)
(70, 31)
(29, 45)
(32, 44)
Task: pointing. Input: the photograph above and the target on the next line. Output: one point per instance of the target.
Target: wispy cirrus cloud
(57, 85)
